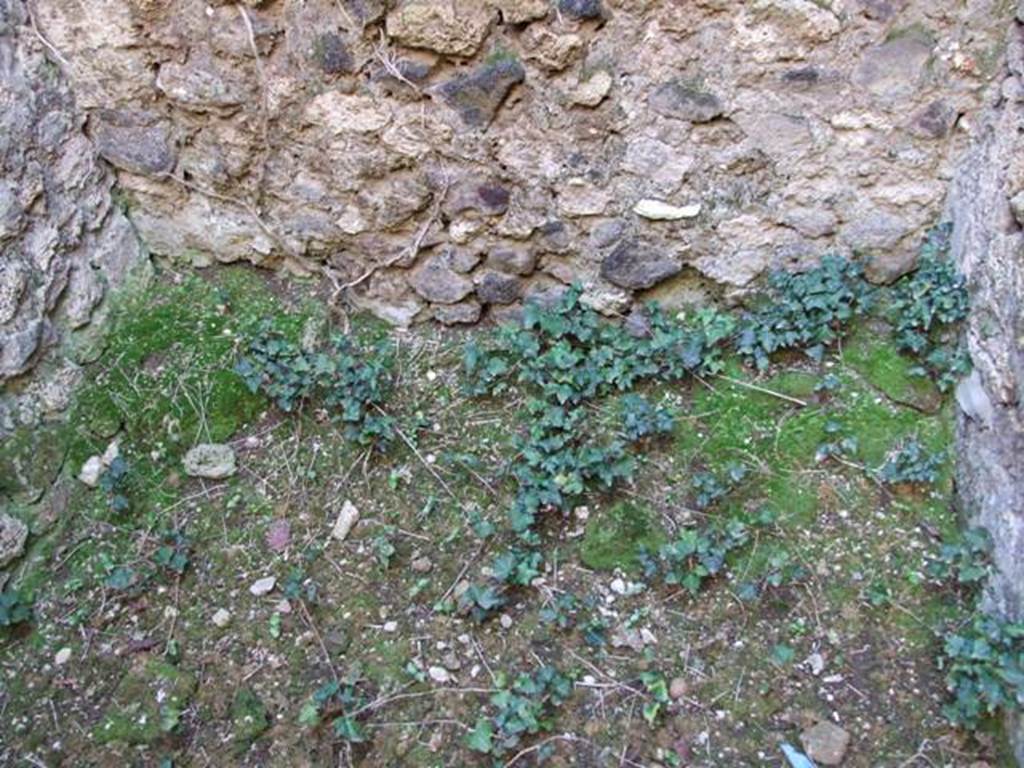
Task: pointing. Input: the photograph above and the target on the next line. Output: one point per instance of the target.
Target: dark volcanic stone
(496, 288)
(555, 237)
(802, 76)
(134, 141)
(673, 99)
(636, 267)
(475, 194)
(478, 95)
(332, 54)
(934, 121)
(512, 261)
(581, 9)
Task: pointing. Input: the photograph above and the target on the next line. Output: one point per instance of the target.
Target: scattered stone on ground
(13, 534)
(91, 471)
(678, 687)
(211, 461)
(439, 674)
(263, 586)
(347, 518)
(62, 657)
(94, 467)
(279, 535)
(826, 743)
(221, 617)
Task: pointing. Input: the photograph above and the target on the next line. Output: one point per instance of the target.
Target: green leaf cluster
(566, 357)
(928, 305)
(114, 484)
(173, 553)
(911, 463)
(709, 487)
(512, 568)
(523, 708)
(966, 561)
(15, 608)
(695, 556)
(339, 701)
(350, 383)
(808, 311)
(984, 663)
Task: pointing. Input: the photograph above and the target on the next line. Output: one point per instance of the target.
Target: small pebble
(678, 688)
(506, 621)
(263, 586)
(63, 657)
(439, 674)
(452, 662)
(221, 617)
(422, 565)
(390, 626)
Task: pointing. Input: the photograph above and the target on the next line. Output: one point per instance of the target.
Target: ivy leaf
(782, 655)
(309, 715)
(481, 737)
(349, 730)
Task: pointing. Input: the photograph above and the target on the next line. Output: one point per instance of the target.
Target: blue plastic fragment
(795, 758)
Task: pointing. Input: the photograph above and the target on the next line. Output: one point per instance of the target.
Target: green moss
(248, 716)
(166, 372)
(147, 704)
(30, 460)
(614, 536)
(874, 357)
(793, 499)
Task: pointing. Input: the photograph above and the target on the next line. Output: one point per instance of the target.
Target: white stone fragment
(347, 519)
(658, 210)
(263, 586)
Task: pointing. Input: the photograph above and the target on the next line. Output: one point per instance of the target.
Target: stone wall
(987, 208)
(442, 158)
(62, 242)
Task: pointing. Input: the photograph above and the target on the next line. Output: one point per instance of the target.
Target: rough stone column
(63, 243)
(987, 206)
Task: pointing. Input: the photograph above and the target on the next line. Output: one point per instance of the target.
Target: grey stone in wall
(63, 243)
(988, 243)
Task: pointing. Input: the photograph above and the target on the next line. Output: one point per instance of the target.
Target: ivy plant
(911, 462)
(695, 556)
(566, 357)
(927, 306)
(523, 708)
(15, 608)
(351, 384)
(965, 561)
(807, 311)
(339, 703)
(984, 664)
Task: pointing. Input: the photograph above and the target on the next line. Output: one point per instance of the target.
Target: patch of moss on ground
(871, 353)
(166, 372)
(248, 716)
(147, 704)
(614, 536)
